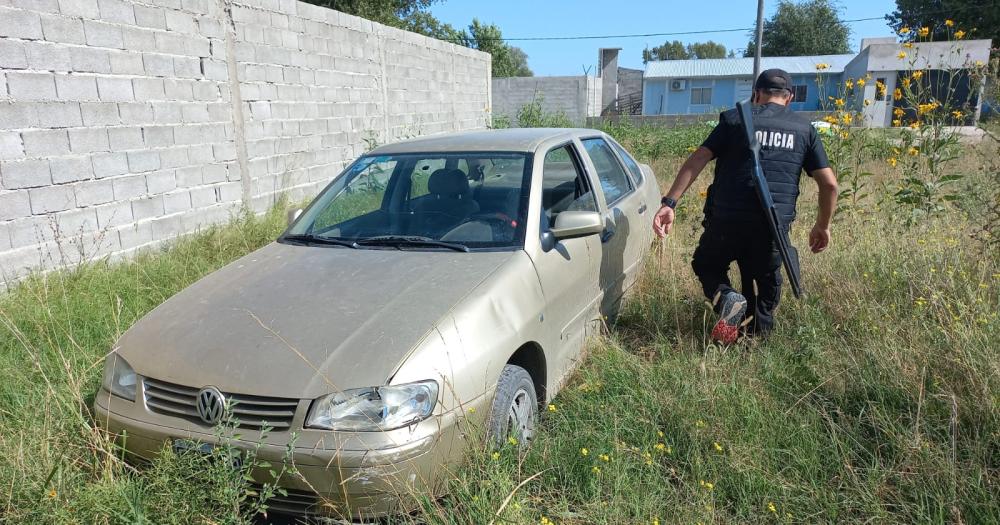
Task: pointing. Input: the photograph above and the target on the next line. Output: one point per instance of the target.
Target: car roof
(514, 139)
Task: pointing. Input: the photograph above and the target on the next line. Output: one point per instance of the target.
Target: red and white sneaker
(732, 306)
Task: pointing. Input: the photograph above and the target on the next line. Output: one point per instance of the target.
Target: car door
(569, 271)
(625, 211)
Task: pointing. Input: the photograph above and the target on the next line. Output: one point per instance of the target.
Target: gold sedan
(430, 278)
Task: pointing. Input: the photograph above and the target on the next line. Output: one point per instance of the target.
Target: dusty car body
(372, 349)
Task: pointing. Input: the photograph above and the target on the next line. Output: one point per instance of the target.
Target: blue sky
(523, 18)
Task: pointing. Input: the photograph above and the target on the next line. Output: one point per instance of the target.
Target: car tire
(515, 407)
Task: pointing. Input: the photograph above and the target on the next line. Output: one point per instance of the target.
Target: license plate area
(187, 446)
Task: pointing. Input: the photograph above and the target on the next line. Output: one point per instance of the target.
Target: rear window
(630, 163)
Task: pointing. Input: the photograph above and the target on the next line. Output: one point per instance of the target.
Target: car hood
(300, 322)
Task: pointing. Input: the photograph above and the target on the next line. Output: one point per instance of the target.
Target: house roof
(729, 67)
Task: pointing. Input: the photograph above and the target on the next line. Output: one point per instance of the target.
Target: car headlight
(119, 378)
(374, 409)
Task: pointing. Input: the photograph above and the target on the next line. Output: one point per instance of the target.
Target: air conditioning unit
(678, 85)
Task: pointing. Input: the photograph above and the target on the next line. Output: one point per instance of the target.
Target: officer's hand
(663, 221)
(819, 239)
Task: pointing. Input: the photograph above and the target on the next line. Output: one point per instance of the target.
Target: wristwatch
(668, 202)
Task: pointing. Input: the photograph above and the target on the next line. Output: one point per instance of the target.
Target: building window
(800, 93)
(701, 95)
(880, 93)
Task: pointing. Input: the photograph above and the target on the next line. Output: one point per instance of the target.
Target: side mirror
(293, 214)
(573, 224)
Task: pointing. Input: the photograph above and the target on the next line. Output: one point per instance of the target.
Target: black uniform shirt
(789, 144)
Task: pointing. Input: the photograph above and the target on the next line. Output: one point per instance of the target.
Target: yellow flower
(901, 55)
(691, 149)
(847, 118)
(957, 114)
(918, 74)
(656, 521)
(472, 410)
(707, 485)
(822, 65)
(904, 30)
(923, 31)
(849, 84)
(867, 102)
(584, 451)
(897, 94)
(660, 446)
(771, 507)
(949, 22)
(959, 34)
(512, 440)
(552, 408)
(699, 424)
(604, 457)
(718, 447)
(52, 494)
(830, 119)
(496, 456)
(896, 122)
(844, 134)
(703, 194)
(545, 521)
(893, 161)
(839, 102)
(595, 470)
(861, 82)
(908, 45)
(906, 82)
(659, 433)
(913, 152)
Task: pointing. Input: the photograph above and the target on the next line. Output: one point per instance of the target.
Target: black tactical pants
(749, 243)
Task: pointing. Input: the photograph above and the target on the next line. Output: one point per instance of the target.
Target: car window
(564, 185)
(630, 163)
(428, 196)
(614, 182)
(363, 194)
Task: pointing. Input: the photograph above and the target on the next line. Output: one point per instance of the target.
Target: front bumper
(351, 475)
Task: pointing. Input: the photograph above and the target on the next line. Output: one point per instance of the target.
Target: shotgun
(764, 194)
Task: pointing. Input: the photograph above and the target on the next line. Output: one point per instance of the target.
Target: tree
(678, 51)
(708, 49)
(508, 61)
(811, 27)
(668, 51)
(394, 13)
(965, 15)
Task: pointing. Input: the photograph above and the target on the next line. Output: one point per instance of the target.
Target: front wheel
(514, 413)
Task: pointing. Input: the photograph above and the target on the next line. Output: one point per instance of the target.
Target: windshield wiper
(315, 239)
(410, 240)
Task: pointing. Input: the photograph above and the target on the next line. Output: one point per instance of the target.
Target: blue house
(682, 87)
(685, 87)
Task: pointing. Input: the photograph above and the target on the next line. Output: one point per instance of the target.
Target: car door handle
(642, 208)
(607, 235)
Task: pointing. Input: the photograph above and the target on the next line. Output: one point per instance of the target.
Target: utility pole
(760, 38)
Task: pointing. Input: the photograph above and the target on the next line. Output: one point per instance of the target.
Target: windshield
(424, 201)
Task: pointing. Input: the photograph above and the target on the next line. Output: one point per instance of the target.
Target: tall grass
(876, 400)
(55, 330)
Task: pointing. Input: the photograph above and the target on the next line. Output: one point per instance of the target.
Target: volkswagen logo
(211, 405)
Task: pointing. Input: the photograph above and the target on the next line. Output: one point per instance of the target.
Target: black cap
(774, 79)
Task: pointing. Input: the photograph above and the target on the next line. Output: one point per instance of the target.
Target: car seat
(448, 203)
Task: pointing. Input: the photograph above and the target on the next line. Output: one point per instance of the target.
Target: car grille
(296, 502)
(250, 411)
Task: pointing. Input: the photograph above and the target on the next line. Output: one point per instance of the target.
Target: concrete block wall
(578, 97)
(125, 123)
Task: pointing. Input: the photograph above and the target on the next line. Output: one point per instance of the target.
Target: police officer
(735, 224)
